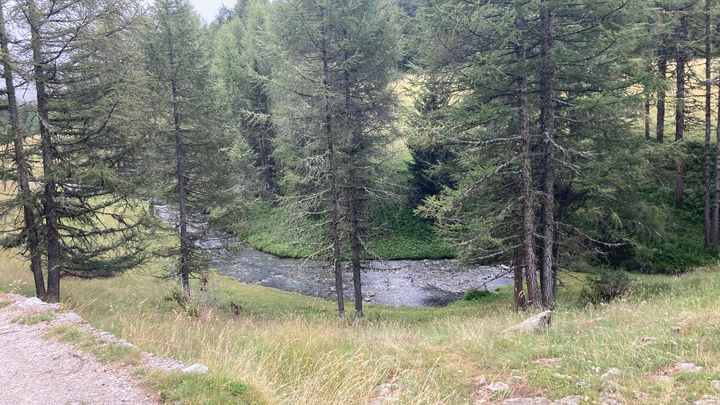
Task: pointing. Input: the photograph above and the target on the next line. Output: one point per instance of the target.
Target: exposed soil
(38, 370)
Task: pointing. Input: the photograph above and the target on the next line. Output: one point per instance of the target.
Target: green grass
(104, 352)
(204, 389)
(286, 348)
(400, 235)
(35, 319)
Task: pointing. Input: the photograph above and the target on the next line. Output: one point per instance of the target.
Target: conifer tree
(77, 68)
(185, 123)
(334, 107)
(28, 233)
(244, 68)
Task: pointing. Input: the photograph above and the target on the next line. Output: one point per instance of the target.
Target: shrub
(476, 295)
(605, 286)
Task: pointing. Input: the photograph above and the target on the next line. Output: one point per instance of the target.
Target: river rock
(537, 323)
(196, 368)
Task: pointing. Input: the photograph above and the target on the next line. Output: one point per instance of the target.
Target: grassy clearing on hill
(291, 349)
(403, 235)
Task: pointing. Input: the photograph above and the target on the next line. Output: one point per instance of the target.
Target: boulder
(537, 323)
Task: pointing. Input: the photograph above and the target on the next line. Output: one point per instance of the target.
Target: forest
(244, 180)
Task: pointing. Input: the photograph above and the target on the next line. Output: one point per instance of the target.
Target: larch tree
(185, 123)
(244, 68)
(28, 234)
(334, 104)
(76, 65)
(573, 87)
(707, 155)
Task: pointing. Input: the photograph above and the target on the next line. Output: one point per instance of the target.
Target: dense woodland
(549, 135)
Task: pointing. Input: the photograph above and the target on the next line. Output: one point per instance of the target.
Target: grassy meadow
(286, 348)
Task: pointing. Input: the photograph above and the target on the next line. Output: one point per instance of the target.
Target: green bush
(477, 295)
(604, 286)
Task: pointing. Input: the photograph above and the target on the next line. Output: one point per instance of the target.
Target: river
(411, 283)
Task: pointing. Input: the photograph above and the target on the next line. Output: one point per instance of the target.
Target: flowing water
(413, 283)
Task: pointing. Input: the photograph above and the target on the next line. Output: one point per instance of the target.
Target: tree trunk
(662, 71)
(707, 174)
(547, 124)
(334, 191)
(356, 247)
(680, 109)
(184, 270)
(528, 209)
(518, 292)
(715, 231)
(50, 209)
(352, 197)
(647, 118)
(23, 169)
(265, 143)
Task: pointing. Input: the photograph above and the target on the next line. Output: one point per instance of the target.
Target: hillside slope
(291, 349)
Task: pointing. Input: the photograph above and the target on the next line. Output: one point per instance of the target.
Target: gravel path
(36, 370)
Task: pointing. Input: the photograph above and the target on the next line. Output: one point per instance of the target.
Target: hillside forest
(548, 136)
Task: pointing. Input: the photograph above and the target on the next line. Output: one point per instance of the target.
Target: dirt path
(36, 370)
